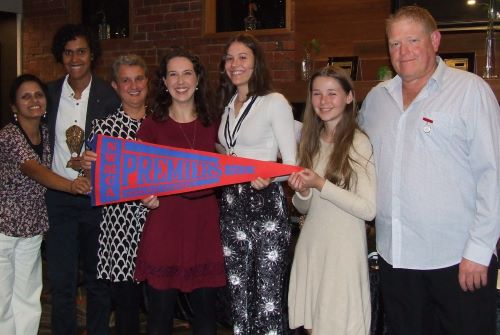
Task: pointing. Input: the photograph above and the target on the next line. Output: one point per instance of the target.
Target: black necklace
(232, 137)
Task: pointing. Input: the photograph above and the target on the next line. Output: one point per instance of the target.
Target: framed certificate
(462, 60)
(350, 64)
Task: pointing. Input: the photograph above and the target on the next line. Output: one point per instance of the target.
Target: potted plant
(384, 73)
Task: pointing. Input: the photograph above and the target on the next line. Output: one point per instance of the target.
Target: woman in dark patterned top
(122, 223)
(24, 173)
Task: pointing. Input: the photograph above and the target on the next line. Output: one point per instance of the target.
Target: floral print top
(22, 200)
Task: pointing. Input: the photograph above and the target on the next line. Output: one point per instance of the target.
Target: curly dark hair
(202, 96)
(260, 82)
(24, 78)
(70, 32)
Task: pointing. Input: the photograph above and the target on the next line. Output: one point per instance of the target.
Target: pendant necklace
(190, 144)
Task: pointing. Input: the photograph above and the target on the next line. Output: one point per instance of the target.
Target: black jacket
(103, 101)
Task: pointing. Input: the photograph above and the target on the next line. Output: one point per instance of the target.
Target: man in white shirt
(75, 100)
(436, 137)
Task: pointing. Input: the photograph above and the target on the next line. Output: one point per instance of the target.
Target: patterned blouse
(122, 223)
(22, 200)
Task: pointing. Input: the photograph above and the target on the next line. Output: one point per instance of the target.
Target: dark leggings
(126, 298)
(162, 308)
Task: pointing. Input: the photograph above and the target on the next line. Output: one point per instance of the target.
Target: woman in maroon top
(180, 248)
(24, 175)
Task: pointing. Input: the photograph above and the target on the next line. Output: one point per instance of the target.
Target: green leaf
(315, 45)
(312, 45)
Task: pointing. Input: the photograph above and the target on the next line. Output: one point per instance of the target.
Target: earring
(196, 88)
(15, 117)
(166, 90)
(44, 115)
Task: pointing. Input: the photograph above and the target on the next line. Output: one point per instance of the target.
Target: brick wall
(154, 26)
(40, 20)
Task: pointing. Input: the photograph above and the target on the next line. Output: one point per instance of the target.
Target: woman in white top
(256, 123)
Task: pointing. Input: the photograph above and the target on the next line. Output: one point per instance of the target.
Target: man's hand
(472, 275)
(75, 163)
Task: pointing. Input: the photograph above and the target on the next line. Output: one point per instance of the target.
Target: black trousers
(73, 234)
(126, 300)
(162, 310)
(431, 302)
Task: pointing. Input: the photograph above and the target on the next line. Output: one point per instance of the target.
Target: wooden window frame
(209, 21)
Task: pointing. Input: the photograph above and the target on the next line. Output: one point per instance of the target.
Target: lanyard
(231, 138)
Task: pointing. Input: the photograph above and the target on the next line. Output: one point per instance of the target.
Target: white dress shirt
(267, 129)
(438, 170)
(71, 112)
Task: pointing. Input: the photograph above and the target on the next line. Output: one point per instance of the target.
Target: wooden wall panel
(338, 24)
(357, 28)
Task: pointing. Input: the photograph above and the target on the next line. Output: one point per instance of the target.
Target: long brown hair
(202, 96)
(260, 83)
(339, 169)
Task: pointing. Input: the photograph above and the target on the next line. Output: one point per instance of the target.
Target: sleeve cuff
(478, 254)
(307, 197)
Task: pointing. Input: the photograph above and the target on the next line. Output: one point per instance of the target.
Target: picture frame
(224, 17)
(452, 15)
(460, 60)
(350, 64)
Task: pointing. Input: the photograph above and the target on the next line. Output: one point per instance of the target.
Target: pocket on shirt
(441, 131)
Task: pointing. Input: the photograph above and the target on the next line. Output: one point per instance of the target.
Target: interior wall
(343, 27)
(357, 28)
(11, 6)
(8, 61)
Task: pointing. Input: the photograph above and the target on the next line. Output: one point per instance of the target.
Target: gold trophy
(75, 137)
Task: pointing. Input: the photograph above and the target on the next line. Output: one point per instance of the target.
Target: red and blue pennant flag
(129, 170)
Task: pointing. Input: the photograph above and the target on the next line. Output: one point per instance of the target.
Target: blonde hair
(414, 13)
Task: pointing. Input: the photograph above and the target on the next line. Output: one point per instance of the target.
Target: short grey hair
(130, 60)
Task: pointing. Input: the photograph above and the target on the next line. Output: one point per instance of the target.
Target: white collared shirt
(438, 189)
(268, 128)
(71, 112)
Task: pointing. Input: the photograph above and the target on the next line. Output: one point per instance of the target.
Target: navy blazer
(103, 101)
